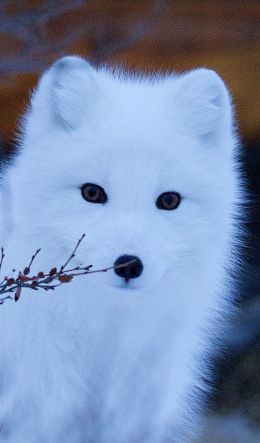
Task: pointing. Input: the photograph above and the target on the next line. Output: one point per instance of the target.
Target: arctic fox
(147, 168)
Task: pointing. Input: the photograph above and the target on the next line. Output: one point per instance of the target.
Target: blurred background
(161, 35)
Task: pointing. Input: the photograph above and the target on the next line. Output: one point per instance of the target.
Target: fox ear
(203, 104)
(66, 90)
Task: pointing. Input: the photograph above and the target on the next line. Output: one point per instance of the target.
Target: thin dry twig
(2, 258)
(12, 286)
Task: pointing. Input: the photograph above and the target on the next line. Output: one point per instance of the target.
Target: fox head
(144, 166)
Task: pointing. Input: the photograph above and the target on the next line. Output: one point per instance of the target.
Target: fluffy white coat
(99, 360)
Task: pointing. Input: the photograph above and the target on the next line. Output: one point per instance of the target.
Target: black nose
(128, 266)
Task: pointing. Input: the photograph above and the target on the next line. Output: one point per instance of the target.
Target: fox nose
(128, 266)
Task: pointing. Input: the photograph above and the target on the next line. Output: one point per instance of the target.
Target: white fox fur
(99, 360)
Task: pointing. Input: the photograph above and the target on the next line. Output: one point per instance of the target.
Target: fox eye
(93, 193)
(168, 201)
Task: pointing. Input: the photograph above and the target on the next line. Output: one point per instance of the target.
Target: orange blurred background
(139, 34)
